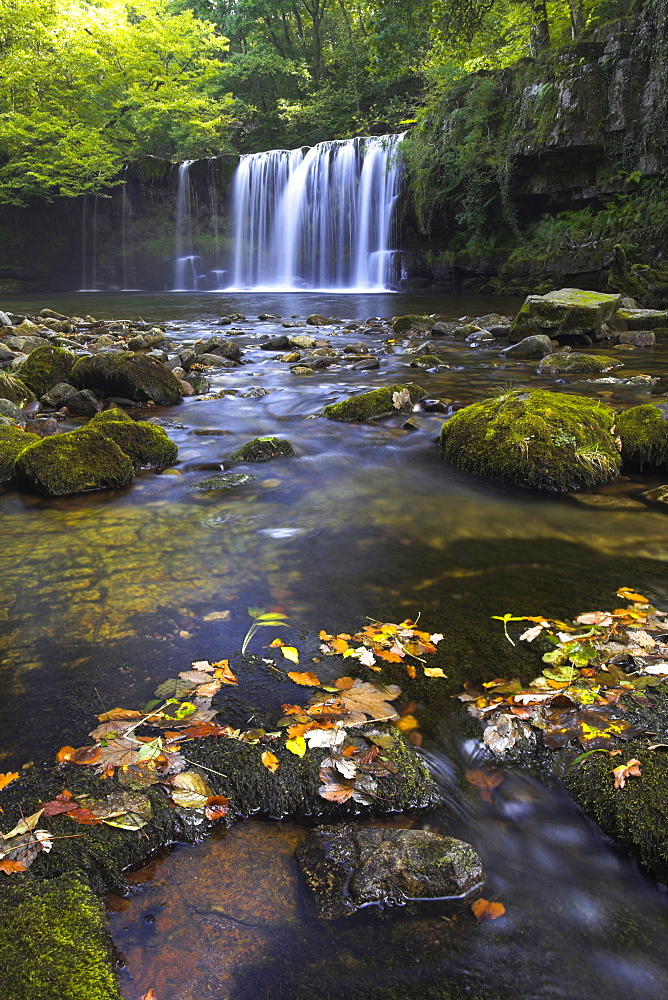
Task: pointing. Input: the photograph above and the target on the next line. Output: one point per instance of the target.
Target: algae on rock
(148, 445)
(45, 367)
(575, 363)
(74, 462)
(13, 441)
(262, 449)
(373, 404)
(534, 438)
(644, 434)
(568, 312)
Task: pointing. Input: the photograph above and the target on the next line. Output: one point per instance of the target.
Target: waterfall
(185, 261)
(127, 242)
(318, 218)
(89, 244)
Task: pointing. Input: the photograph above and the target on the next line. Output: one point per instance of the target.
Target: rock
(638, 338)
(537, 439)
(187, 359)
(569, 312)
(348, 868)
(24, 345)
(644, 319)
(658, 495)
(280, 343)
(145, 341)
(6, 354)
(218, 346)
(644, 434)
(357, 348)
(73, 463)
(290, 359)
(262, 449)
(365, 365)
(426, 361)
(178, 373)
(4, 319)
(480, 337)
(255, 392)
(402, 324)
(302, 370)
(82, 403)
(12, 412)
(266, 316)
(13, 440)
(51, 314)
(186, 388)
(199, 384)
(530, 348)
(316, 320)
(133, 376)
(372, 405)
(575, 363)
(42, 426)
(58, 395)
(45, 367)
(148, 445)
(305, 342)
(106, 340)
(464, 331)
(15, 390)
(27, 328)
(647, 285)
(226, 481)
(215, 361)
(442, 329)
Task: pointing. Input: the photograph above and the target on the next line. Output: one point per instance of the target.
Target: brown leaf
(485, 909)
(223, 672)
(372, 701)
(217, 807)
(335, 788)
(485, 781)
(63, 803)
(119, 752)
(208, 690)
(84, 755)
(270, 761)
(304, 677)
(628, 770)
(149, 995)
(11, 867)
(202, 729)
(118, 713)
(5, 779)
(344, 683)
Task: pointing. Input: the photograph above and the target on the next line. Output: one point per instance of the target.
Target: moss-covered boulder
(644, 434)
(568, 312)
(45, 367)
(148, 445)
(402, 324)
(373, 404)
(131, 376)
(73, 463)
(54, 941)
(539, 439)
(572, 362)
(12, 412)
(348, 868)
(426, 361)
(13, 441)
(644, 319)
(15, 390)
(262, 449)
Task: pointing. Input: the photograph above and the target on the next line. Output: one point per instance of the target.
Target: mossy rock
(15, 390)
(225, 481)
(132, 376)
(148, 445)
(572, 362)
(371, 405)
(644, 319)
(538, 439)
(113, 415)
(73, 463)
(262, 449)
(567, 312)
(402, 324)
(644, 434)
(45, 367)
(54, 942)
(426, 361)
(12, 442)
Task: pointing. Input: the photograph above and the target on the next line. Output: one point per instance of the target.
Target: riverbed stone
(148, 445)
(644, 434)
(538, 439)
(426, 361)
(348, 868)
(279, 343)
(12, 412)
(146, 341)
(262, 449)
(24, 345)
(13, 440)
(13, 389)
(132, 376)
(200, 385)
(372, 405)
(74, 462)
(644, 319)
(218, 346)
(535, 347)
(572, 362)
(568, 312)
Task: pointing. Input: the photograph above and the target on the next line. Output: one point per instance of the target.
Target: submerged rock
(262, 449)
(576, 363)
(226, 481)
(45, 367)
(426, 361)
(644, 434)
(539, 439)
(348, 868)
(568, 312)
(373, 404)
(132, 376)
(73, 463)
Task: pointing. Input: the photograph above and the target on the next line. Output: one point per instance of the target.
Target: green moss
(74, 462)
(402, 324)
(644, 434)
(574, 363)
(15, 390)
(45, 367)
(539, 439)
(54, 944)
(114, 413)
(12, 442)
(371, 405)
(426, 361)
(262, 449)
(131, 376)
(148, 446)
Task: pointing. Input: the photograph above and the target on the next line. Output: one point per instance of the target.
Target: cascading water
(318, 218)
(185, 261)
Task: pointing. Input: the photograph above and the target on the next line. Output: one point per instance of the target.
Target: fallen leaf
(344, 683)
(202, 665)
(207, 690)
(433, 672)
(335, 788)
(191, 781)
(23, 826)
(5, 779)
(485, 909)
(195, 676)
(217, 807)
(406, 723)
(305, 678)
(11, 867)
(296, 746)
(630, 595)
(485, 781)
(270, 761)
(118, 713)
(372, 701)
(291, 653)
(628, 770)
(324, 737)
(63, 803)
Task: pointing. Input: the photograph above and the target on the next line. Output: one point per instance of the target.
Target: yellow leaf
(6, 778)
(269, 761)
(304, 677)
(276, 642)
(407, 723)
(290, 653)
(434, 672)
(297, 746)
(630, 595)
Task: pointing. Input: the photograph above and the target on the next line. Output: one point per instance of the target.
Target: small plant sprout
(260, 619)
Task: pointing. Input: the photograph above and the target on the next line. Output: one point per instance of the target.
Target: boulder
(568, 312)
(219, 346)
(402, 324)
(45, 367)
(13, 440)
(279, 343)
(373, 404)
(643, 319)
(426, 361)
(13, 389)
(27, 328)
(538, 439)
(644, 434)
(131, 376)
(262, 449)
(148, 445)
(12, 412)
(531, 348)
(572, 362)
(348, 868)
(58, 395)
(145, 341)
(73, 463)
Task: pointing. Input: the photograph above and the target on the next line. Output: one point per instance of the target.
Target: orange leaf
(299, 729)
(149, 995)
(484, 909)
(384, 654)
(304, 677)
(11, 867)
(276, 642)
(407, 723)
(84, 816)
(223, 673)
(339, 645)
(325, 636)
(64, 754)
(270, 761)
(119, 713)
(344, 683)
(84, 755)
(293, 709)
(624, 771)
(217, 806)
(411, 671)
(630, 595)
(485, 781)
(5, 779)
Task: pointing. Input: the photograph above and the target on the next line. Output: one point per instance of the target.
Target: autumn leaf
(5, 779)
(296, 746)
(485, 909)
(63, 803)
(485, 781)
(433, 672)
(270, 761)
(217, 807)
(406, 723)
(118, 713)
(335, 787)
(629, 770)
(630, 595)
(366, 698)
(305, 678)
(344, 683)
(11, 867)
(195, 676)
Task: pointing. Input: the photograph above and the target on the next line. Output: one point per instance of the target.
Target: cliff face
(532, 173)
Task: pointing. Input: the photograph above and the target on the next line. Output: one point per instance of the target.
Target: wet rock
(148, 445)
(305, 342)
(644, 434)
(426, 361)
(266, 316)
(442, 329)
(464, 331)
(348, 868)
(402, 324)
(255, 392)
(644, 319)
(280, 343)
(575, 363)
(42, 426)
(480, 337)
(74, 462)
(82, 403)
(638, 338)
(410, 425)
(200, 385)
(12, 412)
(536, 347)
(658, 495)
(187, 358)
(13, 440)
(358, 348)
(218, 346)
(226, 481)
(13, 389)
(366, 364)
(133, 376)
(316, 320)
(290, 359)
(24, 345)
(106, 340)
(46, 367)
(537, 439)
(372, 405)
(262, 449)
(145, 341)
(302, 370)
(186, 388)
(568, 312)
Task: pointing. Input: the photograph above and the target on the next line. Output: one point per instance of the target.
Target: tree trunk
(540, 29)
(578, 17)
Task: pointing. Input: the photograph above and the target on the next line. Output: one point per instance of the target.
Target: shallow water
(105, 595)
